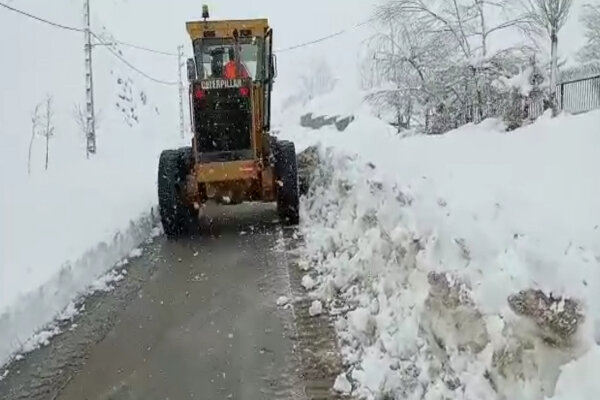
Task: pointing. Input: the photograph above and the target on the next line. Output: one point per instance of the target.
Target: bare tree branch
(35, 124)
(48, 127)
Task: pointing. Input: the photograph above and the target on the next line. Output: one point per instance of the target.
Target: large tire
(177, 217)
(286, 174)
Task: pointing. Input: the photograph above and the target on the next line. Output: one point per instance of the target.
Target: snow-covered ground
(499, 212)
(421, 242)
(63, 228)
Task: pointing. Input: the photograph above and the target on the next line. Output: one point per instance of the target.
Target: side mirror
(191, 69)
(273, 71)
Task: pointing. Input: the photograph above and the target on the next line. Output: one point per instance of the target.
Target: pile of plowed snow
(462, 266)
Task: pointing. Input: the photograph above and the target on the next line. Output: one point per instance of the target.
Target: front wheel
(286, 174)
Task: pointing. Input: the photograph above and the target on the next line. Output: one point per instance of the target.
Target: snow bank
(63, 228)
(470, 260)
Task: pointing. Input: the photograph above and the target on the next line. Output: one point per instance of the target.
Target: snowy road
(194, 319)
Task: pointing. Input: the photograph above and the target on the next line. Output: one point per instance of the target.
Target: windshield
(213, 56)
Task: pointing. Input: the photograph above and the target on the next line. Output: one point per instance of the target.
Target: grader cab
(232, 157)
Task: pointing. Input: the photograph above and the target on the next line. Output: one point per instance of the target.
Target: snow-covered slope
(442, 253)
(62, 228)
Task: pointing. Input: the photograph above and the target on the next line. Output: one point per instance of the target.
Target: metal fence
(579, 96)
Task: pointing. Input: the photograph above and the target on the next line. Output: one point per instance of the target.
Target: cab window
(213, 54)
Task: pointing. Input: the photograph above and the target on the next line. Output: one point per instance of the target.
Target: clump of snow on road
(40, 339)
(70, 312)
(135, 253)
(307, 282)
(282, 301)
(469, 261)
(316, 308)
(106, 282)
(4, 374)
(342, 384)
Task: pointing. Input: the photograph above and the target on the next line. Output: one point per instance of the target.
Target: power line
(74, 29)
(297, 46)
(164, 53)
(69, 28)
(324, 38)
(124, 61)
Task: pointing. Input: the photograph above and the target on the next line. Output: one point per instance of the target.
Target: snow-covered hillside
(460, 265)
(63, 227)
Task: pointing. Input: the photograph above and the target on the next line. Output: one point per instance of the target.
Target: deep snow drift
(460, 265)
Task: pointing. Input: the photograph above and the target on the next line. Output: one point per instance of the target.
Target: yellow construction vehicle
(233, 157)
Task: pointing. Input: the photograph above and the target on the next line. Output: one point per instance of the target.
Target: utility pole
(179, 66)
(89, 86)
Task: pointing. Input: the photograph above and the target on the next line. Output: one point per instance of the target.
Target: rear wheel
(286, 173)
(177, 217)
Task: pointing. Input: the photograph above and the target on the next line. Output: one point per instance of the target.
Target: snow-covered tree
(549, 17)
(406, 59)
(439, 59)
(590, 19)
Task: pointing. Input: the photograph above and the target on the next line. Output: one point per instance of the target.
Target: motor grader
(233, 157)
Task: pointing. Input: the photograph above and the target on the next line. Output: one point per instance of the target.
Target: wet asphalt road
(194, 319)
(206, 325)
